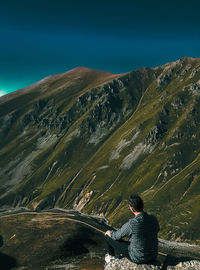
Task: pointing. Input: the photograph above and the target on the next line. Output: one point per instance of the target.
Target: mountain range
(86, 140)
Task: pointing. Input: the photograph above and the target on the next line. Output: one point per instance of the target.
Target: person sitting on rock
(142, 231)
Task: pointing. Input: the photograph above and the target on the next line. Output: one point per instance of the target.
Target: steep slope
(67, 241)
(87, 139)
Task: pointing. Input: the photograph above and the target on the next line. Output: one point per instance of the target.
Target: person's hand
(108, 233)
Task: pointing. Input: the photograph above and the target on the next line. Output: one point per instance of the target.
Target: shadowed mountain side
(85, 140)
(6, 262)
(41, 239)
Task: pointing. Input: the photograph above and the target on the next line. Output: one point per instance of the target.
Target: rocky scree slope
(87, 139)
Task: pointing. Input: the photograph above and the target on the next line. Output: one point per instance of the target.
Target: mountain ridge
(74, 72)
(87, 142)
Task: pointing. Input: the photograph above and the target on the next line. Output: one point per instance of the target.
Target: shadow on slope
(6, 262)
(79, 243)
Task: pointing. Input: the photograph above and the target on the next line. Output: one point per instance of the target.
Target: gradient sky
(45, 37)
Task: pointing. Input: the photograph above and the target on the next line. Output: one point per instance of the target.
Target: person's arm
(125, 230)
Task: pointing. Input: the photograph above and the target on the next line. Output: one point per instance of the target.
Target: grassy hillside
(88, 139)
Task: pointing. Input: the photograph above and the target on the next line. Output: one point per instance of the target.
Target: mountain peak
(80, 68)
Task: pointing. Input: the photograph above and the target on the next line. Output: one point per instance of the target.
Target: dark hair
(136, 202)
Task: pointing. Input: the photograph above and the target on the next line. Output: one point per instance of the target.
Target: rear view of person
(142, 231)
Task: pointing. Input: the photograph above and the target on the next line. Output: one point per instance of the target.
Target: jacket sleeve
(125, 230)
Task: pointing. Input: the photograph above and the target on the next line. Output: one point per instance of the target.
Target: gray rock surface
(188, 265)
(125, 264)
(179, 249)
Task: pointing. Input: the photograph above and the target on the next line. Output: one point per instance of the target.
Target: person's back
(142, 231)
(143, 239)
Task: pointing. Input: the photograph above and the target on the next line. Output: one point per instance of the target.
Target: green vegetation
(87, 140)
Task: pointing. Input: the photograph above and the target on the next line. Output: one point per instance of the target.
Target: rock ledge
(125, 264)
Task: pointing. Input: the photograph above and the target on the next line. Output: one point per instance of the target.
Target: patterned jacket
(143, 236)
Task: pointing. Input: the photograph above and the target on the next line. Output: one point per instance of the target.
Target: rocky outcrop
(125, 264)
(179, 249)
(187, 265)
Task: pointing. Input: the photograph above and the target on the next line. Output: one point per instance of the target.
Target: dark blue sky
(45, 37)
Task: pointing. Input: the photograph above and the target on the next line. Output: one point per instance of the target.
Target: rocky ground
(170, 264)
